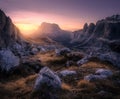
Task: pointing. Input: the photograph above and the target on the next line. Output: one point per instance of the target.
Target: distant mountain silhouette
(54, 32)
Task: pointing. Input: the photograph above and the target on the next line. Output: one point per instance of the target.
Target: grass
(20, 88)
(86, 85)
(73, 86)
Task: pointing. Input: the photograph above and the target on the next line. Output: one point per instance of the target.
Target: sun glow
(30, 21)
(27, 29)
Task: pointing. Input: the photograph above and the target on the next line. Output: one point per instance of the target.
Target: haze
(69, 14)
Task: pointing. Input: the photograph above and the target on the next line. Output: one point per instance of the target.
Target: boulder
(100, 74)
(67, 73)
(47, 82)
(111, 57)
(84, 59)
(92, 77)
(62, 51)
(8, 60)
(105, 72)
(34, 51)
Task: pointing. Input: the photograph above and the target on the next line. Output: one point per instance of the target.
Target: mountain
(53, 32)
(104, 32)
(9, 33)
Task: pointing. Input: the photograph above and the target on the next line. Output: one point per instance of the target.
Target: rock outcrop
(9, 33)
(108, 29)
(11, 43)
(8, 60)
(101, 39)
(100, 74)
(62, 51)
(47, 83)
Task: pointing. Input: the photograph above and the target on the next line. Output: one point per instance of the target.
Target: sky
(69, 14)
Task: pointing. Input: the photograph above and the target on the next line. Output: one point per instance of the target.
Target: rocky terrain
(88, 69)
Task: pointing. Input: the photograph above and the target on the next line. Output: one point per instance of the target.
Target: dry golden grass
(19, 88)
(86, 85)
(74, 87)
(66, 87)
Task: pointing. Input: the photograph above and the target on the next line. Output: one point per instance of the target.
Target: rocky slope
(107, 29)
(101, 40)
(10, 40)
(13, 47)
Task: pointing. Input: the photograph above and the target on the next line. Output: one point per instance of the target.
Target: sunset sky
(69, 14)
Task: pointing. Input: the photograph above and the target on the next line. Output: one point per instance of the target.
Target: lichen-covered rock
(111, 57)
(67, 73)
(84, 59)
(92, 77)
(8, 60)
(34, 50)
(104, 72)
(100, 74)
(62, 51)
(47, 81)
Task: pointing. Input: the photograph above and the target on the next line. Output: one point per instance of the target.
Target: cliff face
(102, 33)
(9, 33)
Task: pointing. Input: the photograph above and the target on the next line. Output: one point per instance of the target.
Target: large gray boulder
(8, 60)
(47, 83)
(100, 74)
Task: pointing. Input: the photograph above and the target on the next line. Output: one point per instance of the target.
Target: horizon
(69, 15)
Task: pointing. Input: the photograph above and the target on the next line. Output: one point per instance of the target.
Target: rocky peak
(91, 28)
(49, 27)
(9, 33)
(85, 27)
(113, 18)
(2, 19)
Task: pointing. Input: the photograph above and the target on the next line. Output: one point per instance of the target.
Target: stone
(47, 80)
(62, 51)
(84, 59)
(92, 77)
(105, 72)
(8, 60)
(34, 50)
(67, 73)
(100, 74)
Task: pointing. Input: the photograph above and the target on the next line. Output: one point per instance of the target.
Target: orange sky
(69, 14)
(30, 21)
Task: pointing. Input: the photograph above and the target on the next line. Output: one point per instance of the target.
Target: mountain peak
(113, 18)
(49, 27)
